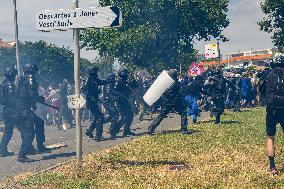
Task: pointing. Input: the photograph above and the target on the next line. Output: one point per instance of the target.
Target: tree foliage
(158, 33)
(105, 65)
(274, 21)
(55, 63)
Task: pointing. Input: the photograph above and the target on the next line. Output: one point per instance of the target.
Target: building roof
(235, 59)
(4, 44)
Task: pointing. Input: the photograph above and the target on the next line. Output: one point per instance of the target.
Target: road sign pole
(219, 52)
(77, 88)
(17, 39)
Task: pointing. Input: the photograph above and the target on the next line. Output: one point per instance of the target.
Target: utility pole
(219, 52)
(17, 39)
(77, 89)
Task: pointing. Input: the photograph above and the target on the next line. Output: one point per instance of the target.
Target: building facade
(244, 59)
(4, 44)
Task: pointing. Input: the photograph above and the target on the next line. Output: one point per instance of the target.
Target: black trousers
(218, 108)
(113, 116)
(98, 120)
(10, 123)
(273, 117)
(39, 130)
(26, 127)
(126, 116)
(165, 111)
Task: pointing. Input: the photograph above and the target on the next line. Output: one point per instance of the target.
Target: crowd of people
(118, 99)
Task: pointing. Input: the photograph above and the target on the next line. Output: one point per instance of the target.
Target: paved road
(10, 167)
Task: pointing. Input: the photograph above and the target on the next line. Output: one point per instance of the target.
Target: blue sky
(243, 31)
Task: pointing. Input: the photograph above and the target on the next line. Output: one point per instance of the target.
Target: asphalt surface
(10, 167)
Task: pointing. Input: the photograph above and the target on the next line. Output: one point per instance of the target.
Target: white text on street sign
(64, 19)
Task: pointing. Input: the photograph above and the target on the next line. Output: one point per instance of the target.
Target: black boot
(112, 136)
(90, 134)
(150, 131)
(24, 159)
(5, 153)
(218, 119)
(128, 134)
(43, 149)
(98, 138)
(32, 151)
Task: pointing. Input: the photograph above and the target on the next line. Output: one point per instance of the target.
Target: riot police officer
(173, 100)
(8, 96)
(110, 104)
(91, 90)
(122, 90)
(216, 89)
(28, 122)
(237, 94)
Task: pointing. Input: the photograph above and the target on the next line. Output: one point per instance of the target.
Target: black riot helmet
(173, 73)
(10, 73)
(218, 71)
(123, 74)
(30, 68)
(94, 71)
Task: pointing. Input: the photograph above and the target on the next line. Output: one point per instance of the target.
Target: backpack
(274, 90)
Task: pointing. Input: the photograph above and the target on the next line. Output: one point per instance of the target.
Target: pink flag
(195, 70)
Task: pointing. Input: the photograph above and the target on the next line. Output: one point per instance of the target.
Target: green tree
(274, 22)
(157, 34)
(55, 63)
(105, 65)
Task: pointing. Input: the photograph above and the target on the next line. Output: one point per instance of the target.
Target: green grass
(232, 155)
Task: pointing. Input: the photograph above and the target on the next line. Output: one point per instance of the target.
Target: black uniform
(272, 89)
(91, 90)
(122, 90)
(28, 122)
(8, 96)
(173, 101)
(110, 104)
(216, 88)
(237, 94)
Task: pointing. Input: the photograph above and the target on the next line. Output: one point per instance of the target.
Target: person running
(271, 87)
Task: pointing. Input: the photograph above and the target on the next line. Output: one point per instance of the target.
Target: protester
(272, 88)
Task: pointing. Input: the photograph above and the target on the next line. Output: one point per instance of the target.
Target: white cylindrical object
(158, 88)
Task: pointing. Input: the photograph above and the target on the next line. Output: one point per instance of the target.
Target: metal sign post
(17, 39)
(77, 88)
(219, 52)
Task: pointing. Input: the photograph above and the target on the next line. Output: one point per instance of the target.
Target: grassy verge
(232, 155)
